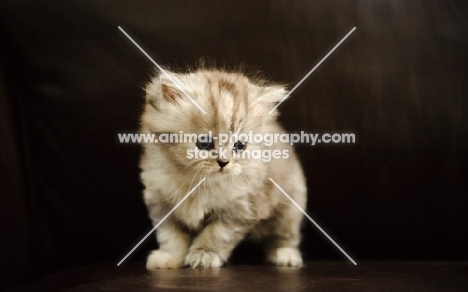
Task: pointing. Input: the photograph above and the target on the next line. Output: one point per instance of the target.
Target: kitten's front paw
(285, 256)
(200, 258)
(159, 259)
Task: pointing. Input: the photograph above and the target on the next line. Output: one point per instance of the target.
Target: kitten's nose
(222, 163)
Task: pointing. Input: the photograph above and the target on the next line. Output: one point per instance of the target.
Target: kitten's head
(209, 102)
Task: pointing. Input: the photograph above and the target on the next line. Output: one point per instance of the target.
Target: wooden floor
(314, 276)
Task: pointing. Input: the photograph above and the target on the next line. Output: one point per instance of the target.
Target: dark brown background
(70, 81)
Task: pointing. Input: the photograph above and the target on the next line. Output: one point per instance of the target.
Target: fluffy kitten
(237, 200)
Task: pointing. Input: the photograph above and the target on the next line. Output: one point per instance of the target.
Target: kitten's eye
(239, 146)
(205, 144)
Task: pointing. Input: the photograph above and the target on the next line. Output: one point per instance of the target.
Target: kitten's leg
(282, 247)
(173, 247)
(173, 240)
(213, 246)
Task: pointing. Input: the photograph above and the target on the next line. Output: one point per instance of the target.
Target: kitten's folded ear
(273, 94)
(166, 87)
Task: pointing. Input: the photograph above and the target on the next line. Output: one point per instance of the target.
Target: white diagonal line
(162, 220)
(310, 72)
(312, 220)
(177, 83)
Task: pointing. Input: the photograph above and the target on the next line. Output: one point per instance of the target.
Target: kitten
(237, 200)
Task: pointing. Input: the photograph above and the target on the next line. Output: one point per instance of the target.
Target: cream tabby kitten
(237, 200)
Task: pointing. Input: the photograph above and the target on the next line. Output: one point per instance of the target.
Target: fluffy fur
(236, 201)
